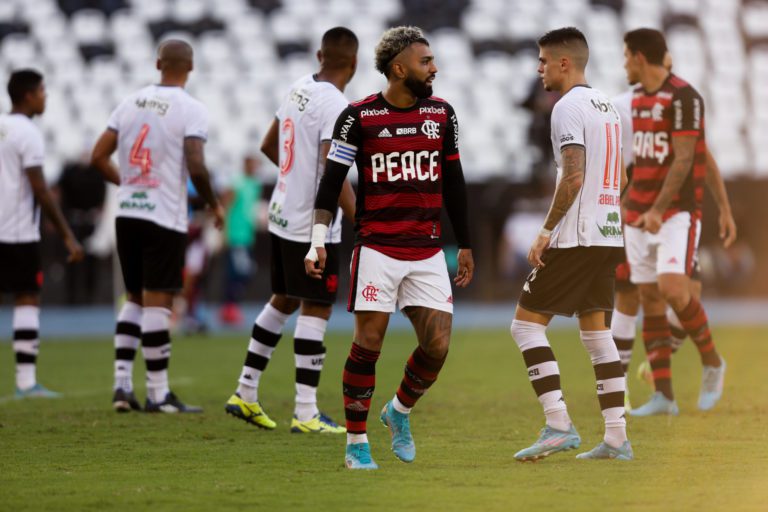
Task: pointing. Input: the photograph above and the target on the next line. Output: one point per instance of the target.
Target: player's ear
(158, 65)
(319, 55)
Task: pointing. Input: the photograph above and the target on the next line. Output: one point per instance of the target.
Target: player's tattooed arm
(433, 329)
(684, 147)
(323, 217)
(574, 164)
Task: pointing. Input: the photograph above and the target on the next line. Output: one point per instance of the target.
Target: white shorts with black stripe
(381, 283)
(673, 250)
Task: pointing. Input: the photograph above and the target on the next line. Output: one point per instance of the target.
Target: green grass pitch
(76, 454)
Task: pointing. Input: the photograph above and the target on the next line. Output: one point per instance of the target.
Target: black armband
(330, 186)
(455, 201)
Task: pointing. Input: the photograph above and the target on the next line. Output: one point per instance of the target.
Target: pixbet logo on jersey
(406, 166)
(432, 110)
(374, 112)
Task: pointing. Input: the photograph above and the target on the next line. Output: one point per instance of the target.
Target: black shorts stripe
(304, 347)
(25, 334)
(353, 279)
(307, 377)
(23, 358)
(265, 337)
(611, 400)
(155, 339)
(128, 329)
(156, 365)
(546, 384)
(256, 361)
(612, 370)
(538, 355)
(125, 354)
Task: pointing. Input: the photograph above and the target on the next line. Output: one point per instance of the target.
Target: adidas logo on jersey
(384, 133)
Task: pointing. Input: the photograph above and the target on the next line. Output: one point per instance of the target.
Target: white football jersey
(306, 118)
(21, 147)
(623, 105)
(586, 117)
(151, 126)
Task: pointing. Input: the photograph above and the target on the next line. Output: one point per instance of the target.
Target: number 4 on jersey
(140, 156)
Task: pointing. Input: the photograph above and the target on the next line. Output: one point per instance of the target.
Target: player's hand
(314, 262)
(466, 268)
(219, 214)
(649, 221)
(727, 229)
(76, 252)
(537, 250)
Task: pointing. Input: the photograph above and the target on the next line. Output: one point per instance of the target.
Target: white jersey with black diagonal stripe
(21, 147)
(151, 126)
(586, 117)
(306, 118)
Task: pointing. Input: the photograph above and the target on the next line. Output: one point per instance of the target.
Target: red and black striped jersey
(399, 154)
(675, 109)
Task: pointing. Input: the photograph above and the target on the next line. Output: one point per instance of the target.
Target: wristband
(319, 233)
(545, 232)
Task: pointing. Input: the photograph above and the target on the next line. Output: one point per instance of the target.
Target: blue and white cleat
(550, 441)
(712, 378)
(400, 427)
(36, 391)
(658, 404)
(358, 456)
(605, 451)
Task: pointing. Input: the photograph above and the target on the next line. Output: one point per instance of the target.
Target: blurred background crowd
(94, 52)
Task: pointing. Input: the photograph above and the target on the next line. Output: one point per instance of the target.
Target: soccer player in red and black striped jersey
(663, 215)
(405, 144)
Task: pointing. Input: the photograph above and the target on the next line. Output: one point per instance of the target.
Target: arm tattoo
(323, 217)
(433, 327)
(684, 147)
(574, 163)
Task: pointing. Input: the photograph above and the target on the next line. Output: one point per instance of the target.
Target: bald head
(567, 42)
(174, 56)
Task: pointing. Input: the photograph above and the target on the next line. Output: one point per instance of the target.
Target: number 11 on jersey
(612, 156)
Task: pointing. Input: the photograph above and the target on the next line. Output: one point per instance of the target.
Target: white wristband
(319, 233)
(545, 232)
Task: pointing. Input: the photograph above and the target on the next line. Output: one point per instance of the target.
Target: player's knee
(676, 295)
(528, 334)
(437, 348)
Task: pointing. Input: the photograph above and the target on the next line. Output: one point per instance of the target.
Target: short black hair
(339, 36)
(563, 36)
(648, 41)
(21, 83)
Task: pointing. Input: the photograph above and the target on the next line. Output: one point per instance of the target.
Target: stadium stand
(94, 51)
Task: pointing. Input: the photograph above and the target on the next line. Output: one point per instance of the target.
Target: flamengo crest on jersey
(306, 118)
(21, 147)
(399, 155)
(151, 126)
(585, 117)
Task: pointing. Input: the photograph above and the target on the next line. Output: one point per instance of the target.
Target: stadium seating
(93, 52)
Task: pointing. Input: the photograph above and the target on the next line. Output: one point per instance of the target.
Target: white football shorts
(673, 250)
(381, 283)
